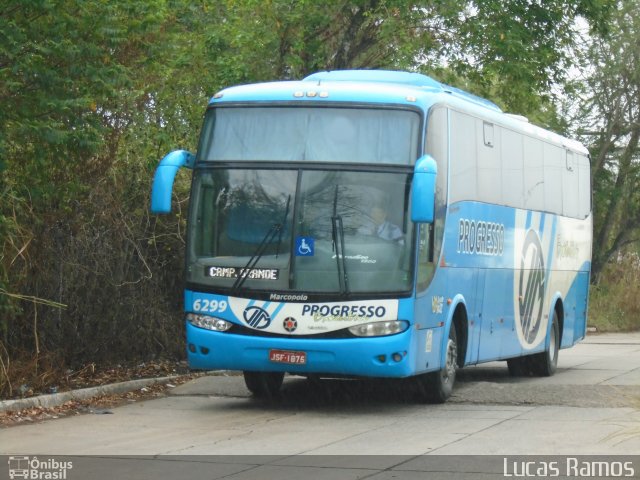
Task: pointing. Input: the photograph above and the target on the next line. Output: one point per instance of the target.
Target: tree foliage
(519, 50)
(73, 188)
(509, 50)
(610, 121)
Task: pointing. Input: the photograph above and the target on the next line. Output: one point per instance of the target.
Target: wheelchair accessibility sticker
(304, 247)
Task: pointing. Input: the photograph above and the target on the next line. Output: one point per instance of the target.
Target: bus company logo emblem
(531, 287)
(256, 317)
(290, 324)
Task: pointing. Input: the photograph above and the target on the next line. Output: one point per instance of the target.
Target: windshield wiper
(337, 234)
(275, 229)
(286, 213)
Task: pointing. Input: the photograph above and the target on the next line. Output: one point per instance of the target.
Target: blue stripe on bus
(277, 310)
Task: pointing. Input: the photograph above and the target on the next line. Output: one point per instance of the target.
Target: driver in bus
(381, 227)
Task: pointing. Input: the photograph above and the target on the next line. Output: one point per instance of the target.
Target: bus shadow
(366, 395)
(339, 394)
(302, 393)
(493, 372)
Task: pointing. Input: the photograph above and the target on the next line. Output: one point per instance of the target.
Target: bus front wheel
(436, 387)
(264, 384)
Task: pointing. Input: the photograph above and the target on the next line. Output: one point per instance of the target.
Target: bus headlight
(208, 323)
(379, 329)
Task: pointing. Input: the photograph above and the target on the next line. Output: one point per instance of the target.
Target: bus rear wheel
(437, 387)
(264, 384)
(544, 364)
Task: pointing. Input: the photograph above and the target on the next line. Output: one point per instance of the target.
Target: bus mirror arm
(164, 177)
(424, 189)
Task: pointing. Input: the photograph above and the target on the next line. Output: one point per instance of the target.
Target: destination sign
(250, 273)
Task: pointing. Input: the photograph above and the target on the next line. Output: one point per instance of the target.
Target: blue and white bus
(379, 224)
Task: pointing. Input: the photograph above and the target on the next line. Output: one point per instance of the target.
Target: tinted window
(318, 134)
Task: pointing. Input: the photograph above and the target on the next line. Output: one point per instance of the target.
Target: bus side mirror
(424, 189)
(164, 177)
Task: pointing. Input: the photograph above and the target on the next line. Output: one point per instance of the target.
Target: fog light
(192, 348)
(208, 323)
(379, 329)
(396, 357)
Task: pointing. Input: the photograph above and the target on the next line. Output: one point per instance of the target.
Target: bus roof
(383, 87)
(417, 80)
(375, 86)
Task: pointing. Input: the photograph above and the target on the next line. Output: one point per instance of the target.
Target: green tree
(510, 51)
(286, 39)
(70, 84)
(518, 52)
(610, 122)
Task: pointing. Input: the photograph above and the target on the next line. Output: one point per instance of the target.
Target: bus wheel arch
(437, 387)
(543, 364)
(559, 310)
(460, 321)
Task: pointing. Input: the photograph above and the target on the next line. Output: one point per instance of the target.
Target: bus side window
(425, 255)
(570, 187)
(584, 185)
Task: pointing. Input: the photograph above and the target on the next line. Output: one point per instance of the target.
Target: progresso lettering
(324, 313)
(480, 238)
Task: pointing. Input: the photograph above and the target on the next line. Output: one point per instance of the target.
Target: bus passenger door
(497, 335)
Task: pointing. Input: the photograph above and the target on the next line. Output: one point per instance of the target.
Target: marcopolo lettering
(480, 238)
(344, 311)
(289, 298)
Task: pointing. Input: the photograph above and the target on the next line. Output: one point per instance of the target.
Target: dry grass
(48, 374)
(98, 404)
(614, 305)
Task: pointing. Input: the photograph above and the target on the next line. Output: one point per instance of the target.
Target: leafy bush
(614, 305)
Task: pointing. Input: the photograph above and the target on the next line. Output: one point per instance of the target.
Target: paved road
(590, 407)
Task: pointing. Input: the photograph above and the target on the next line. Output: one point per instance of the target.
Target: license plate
(286, 356)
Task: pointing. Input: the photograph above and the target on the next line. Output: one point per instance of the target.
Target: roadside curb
(55, 399)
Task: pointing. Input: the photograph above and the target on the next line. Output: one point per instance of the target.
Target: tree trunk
(609, 239)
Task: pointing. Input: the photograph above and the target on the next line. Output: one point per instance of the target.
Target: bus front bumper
(389, 356)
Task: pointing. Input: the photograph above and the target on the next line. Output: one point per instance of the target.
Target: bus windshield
(310, 134)
(324, 231)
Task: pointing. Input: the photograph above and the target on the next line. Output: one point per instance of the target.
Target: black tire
(437, 387)
(541, 364)
(519, 367)
(264, 384)
(544, 364)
